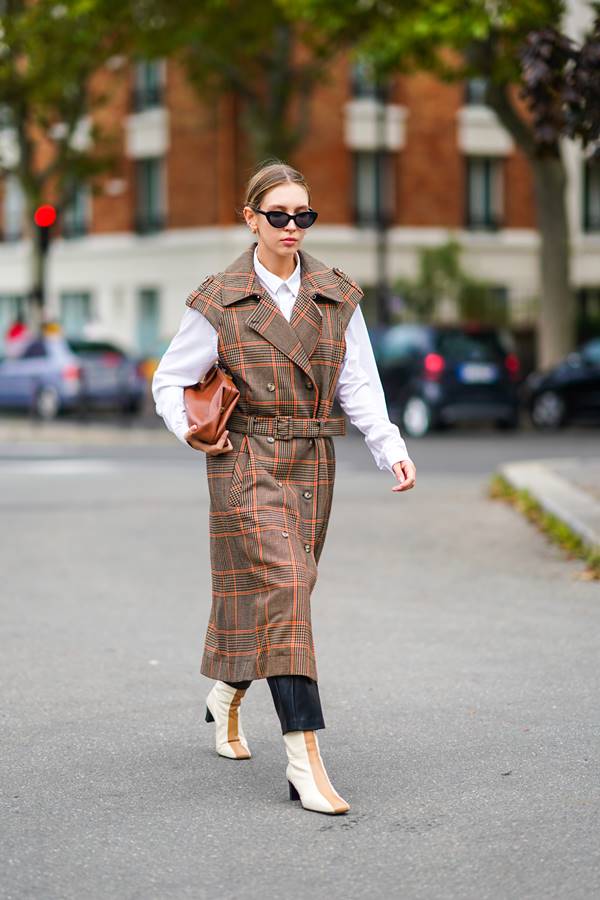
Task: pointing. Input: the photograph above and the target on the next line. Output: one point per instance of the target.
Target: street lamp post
(381, 207)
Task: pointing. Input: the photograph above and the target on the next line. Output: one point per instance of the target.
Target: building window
(150, 194)
(374, 187)
(364, 84)
(74, 222)
(591, 196)
(148, 321)
(75, 312)
(475, 91)
(484, 192)
(147, 87)
(14, 208)
(588, 312)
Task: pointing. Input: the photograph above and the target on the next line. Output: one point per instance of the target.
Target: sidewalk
(568, 488)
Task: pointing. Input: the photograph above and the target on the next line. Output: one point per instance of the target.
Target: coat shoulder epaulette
(350, 291)
(206, 299)
(346, 282)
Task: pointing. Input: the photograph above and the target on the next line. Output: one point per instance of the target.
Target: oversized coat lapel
(297, 338)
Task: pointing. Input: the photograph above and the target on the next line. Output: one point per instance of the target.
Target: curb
(563, 499)
(77, 434)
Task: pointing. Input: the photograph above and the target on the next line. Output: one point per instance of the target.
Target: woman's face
(283, 242)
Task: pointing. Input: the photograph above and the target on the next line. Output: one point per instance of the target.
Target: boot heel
(209, 716)
(294, 795)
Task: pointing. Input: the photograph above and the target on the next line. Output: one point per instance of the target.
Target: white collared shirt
(359, 391)
(284, 292)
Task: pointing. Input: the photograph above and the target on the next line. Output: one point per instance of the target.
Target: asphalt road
(458, 668)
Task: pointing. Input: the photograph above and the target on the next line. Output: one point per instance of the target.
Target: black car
(437, 375)
(568, 392)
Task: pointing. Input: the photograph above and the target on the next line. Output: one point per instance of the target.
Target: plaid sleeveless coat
(270, 498)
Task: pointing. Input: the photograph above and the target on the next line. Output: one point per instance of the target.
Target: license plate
(477, 372)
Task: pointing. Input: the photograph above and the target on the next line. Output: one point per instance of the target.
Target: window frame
(384, 188)
(75, 218)
(147, 93)
(493, 218)
(591, 170)
(150, 221)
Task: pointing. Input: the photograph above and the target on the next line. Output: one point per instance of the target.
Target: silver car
(55, 374)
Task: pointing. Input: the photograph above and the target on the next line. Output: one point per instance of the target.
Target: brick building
(127, 258)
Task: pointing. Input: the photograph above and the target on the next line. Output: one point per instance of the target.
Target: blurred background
(452, 161)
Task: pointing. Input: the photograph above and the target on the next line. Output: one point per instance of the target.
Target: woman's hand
(406, 473)
(223, 445)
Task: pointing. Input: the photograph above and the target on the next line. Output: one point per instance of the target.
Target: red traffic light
(44, 215)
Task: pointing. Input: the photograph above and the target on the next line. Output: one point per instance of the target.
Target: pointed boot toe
(307, 779)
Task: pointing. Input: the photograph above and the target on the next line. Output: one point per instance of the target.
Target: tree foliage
(49, 52)
(251, 50)
(441, 277)
(506, 43)
(561, 84)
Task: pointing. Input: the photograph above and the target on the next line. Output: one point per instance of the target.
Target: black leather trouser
(296, 699)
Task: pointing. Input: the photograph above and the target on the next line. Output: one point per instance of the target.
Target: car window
(591, 352)
(97, 350)
(94, 348)
(401, 342)
(463, 346)
(37, 348)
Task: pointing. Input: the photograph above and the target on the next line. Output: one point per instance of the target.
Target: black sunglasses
(279, 219)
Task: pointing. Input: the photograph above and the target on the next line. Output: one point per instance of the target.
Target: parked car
(568, 392)
(55, 374)
(437, 375)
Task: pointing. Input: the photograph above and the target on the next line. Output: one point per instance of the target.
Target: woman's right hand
(223, 445)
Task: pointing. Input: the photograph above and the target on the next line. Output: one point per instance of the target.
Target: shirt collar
(273, 282)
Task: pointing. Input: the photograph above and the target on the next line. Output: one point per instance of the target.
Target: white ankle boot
(308, 780)
(223, 708)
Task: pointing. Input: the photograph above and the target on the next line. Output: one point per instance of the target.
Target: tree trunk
(556, 310)
(556, 326)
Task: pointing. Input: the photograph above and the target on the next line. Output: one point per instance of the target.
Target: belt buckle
(281, 421)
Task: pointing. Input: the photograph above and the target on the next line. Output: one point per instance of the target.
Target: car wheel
(416, 417)
(46, 404)
(548, 410)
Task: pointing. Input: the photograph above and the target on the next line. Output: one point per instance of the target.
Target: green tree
(49, 52)
(515, 47)
(441, 277)
(249, 50)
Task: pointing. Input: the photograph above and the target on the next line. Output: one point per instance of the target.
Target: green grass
(557, 530)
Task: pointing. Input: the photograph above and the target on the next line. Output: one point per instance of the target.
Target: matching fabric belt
(286, 427)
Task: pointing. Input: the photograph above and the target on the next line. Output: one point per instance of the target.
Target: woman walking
(290, 331)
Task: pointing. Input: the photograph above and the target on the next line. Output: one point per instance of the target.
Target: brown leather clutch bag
(210, 402)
